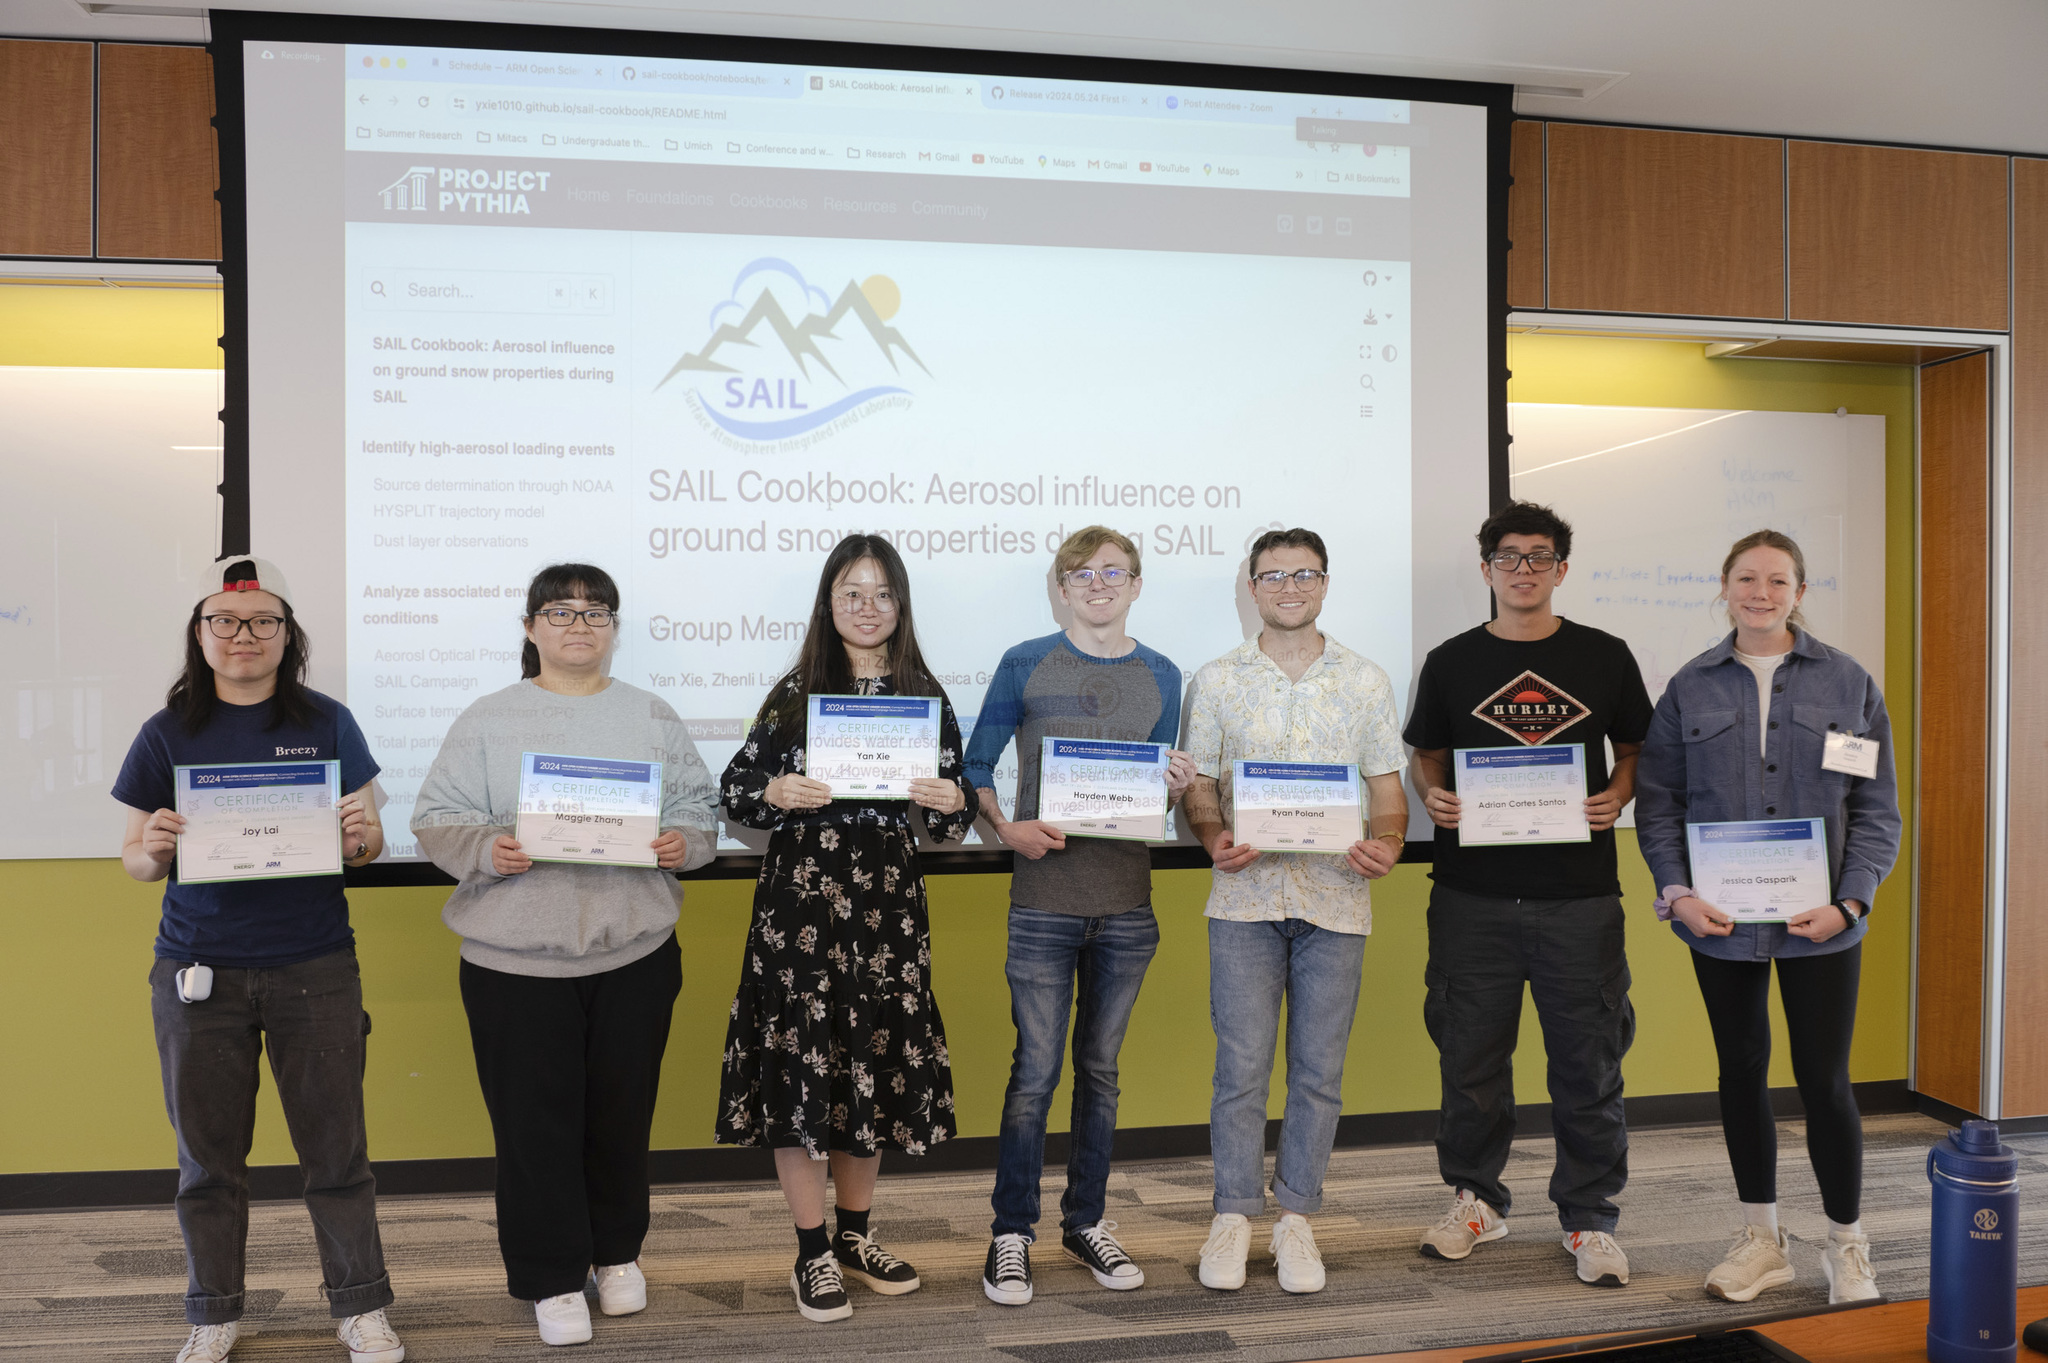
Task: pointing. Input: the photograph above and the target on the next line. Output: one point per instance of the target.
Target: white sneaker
(1224, 1252)
(1756, 1262)
(210, 1343)
(1294, 1251)
(1469, 1222)
(370, 1339)
(564, 1319)
(621, 1288)
(1847, 1264)
(1601, 1262)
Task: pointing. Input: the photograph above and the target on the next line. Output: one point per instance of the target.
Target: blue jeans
(1049, 953)
(1252, 968)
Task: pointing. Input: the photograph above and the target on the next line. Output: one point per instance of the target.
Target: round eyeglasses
(853, 602)
(228, 626)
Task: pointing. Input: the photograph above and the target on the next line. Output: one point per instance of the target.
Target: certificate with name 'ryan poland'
(588, 810)
(258, 821)
(1296, 806)
(872, 747)
(1100, 788)
(1760, 870)
(1517, 796)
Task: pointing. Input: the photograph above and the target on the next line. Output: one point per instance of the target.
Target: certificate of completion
(588, 809)
(1514, 796)
(259, 821)
(1096, 788)
(1760, 870)
(1295, 806)
(872, 747)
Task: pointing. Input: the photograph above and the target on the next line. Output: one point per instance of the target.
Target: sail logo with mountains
(785, 359)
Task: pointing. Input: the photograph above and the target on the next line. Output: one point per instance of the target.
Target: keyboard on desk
(1735, 1346)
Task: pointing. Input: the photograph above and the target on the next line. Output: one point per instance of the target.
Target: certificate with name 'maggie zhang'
(596, 810)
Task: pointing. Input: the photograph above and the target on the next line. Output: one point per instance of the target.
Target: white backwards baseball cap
(241, 573)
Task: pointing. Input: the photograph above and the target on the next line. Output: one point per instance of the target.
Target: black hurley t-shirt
(1580, 685)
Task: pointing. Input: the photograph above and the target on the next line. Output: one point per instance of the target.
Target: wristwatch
(361, 848)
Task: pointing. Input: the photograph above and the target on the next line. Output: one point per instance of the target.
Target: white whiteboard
(106, 532)
(1655, 495)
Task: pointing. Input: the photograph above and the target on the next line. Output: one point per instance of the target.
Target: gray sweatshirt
(557, 919)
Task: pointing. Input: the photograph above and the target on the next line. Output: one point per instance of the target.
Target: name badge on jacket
(1849, 754)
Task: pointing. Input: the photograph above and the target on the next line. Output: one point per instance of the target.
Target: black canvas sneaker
(1006, 1277)
(820, 1292)
(1094, 1248)
(864, 1261)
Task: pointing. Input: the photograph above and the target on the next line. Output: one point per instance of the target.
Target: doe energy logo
(762, 378)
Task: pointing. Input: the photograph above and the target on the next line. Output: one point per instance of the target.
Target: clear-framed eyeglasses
(853, 601)
(1539, 560)
(228, 626)
(561, 617)
(1308, 579)
(1111, 578)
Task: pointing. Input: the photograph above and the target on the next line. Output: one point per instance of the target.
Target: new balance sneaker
(563, 1320)
(370, 1339)
(1295, 1253)
(621, 1288)
(864, 1261)
(1095, 1249)
(1756, 1262)
(820, 1291)
(1006, 1276)
(1601, 1262)
(1470, 1222)
(1847, 1264)
(1224, 1252)
(210, 1343)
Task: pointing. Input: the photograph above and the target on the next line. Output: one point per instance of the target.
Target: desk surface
(1895, 1332)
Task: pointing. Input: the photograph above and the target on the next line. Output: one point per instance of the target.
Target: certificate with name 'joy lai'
(1516, 796)
(1098, 788)
(1760, 870)
(258, 821)
(872, 747)
(588, 810)
(1296, 806)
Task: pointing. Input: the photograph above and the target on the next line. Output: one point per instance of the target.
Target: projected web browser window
(695, 321)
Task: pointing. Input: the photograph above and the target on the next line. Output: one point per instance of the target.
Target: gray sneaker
(1847, 1264)
(1468, 1223)
(209, 1343)
(1756, 1262)
(1601, 1262)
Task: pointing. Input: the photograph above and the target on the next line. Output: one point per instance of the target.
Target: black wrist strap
(1847, 913)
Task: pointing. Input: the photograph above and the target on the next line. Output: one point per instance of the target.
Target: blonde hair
(1766, 539)
(1080, 546)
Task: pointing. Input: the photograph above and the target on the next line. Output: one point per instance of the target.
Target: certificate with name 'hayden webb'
(258, 821)
(1100, 788)
(872, 747)
(1760, 870)
(1296, 806)
(588, 810)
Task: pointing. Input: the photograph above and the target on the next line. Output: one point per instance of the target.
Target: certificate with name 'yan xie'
(591, 810)
(258, 821)
(1296, 806)
(872, 747)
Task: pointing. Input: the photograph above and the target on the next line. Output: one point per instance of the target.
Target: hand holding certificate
(588, 809)
(1522, 795)
(1761, 870)
(259, 821)
(872, 747)
(1296, 806)
(1096, 788)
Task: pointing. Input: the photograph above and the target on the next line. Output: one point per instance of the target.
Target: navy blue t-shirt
(256, 923)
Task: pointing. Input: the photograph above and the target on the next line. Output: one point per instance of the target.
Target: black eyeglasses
(1539, 560)
(561, 617)
(228, 626)
(1305, 578)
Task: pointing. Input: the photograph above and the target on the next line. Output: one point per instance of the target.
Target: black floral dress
(835, 1041)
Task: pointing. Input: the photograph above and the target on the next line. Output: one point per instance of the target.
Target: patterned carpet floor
(105, 1285)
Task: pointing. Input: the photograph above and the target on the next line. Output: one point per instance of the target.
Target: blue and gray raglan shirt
(1046, 688)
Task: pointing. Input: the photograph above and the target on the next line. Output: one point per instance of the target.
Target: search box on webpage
(526, 291)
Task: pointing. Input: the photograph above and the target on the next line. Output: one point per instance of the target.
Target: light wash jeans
(1253, 967)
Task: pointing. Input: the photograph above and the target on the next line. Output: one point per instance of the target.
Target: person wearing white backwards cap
(245, 965)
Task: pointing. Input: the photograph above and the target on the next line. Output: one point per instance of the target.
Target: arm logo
(786, 364)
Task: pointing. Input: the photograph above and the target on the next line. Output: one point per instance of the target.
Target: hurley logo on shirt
(1531, 709)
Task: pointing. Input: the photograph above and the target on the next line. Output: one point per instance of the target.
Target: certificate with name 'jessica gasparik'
(1099, 788)
(1295, 806)
(258, 821)
(588, 810)
(1517, 796)
(1760, 870)
(872, 747)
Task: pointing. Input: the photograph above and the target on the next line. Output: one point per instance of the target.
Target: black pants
(569, 1069)
(1571, 953)
(1819, 993)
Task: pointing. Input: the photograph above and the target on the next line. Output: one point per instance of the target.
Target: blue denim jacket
(1702, 764)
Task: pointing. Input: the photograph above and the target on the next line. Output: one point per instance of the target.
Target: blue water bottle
(1973, 1287)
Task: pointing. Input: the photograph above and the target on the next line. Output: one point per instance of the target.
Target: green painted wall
(79, 1068)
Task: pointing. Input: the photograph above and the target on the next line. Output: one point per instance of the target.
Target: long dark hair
(822, 668)
(563, 582)
(191, 697)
